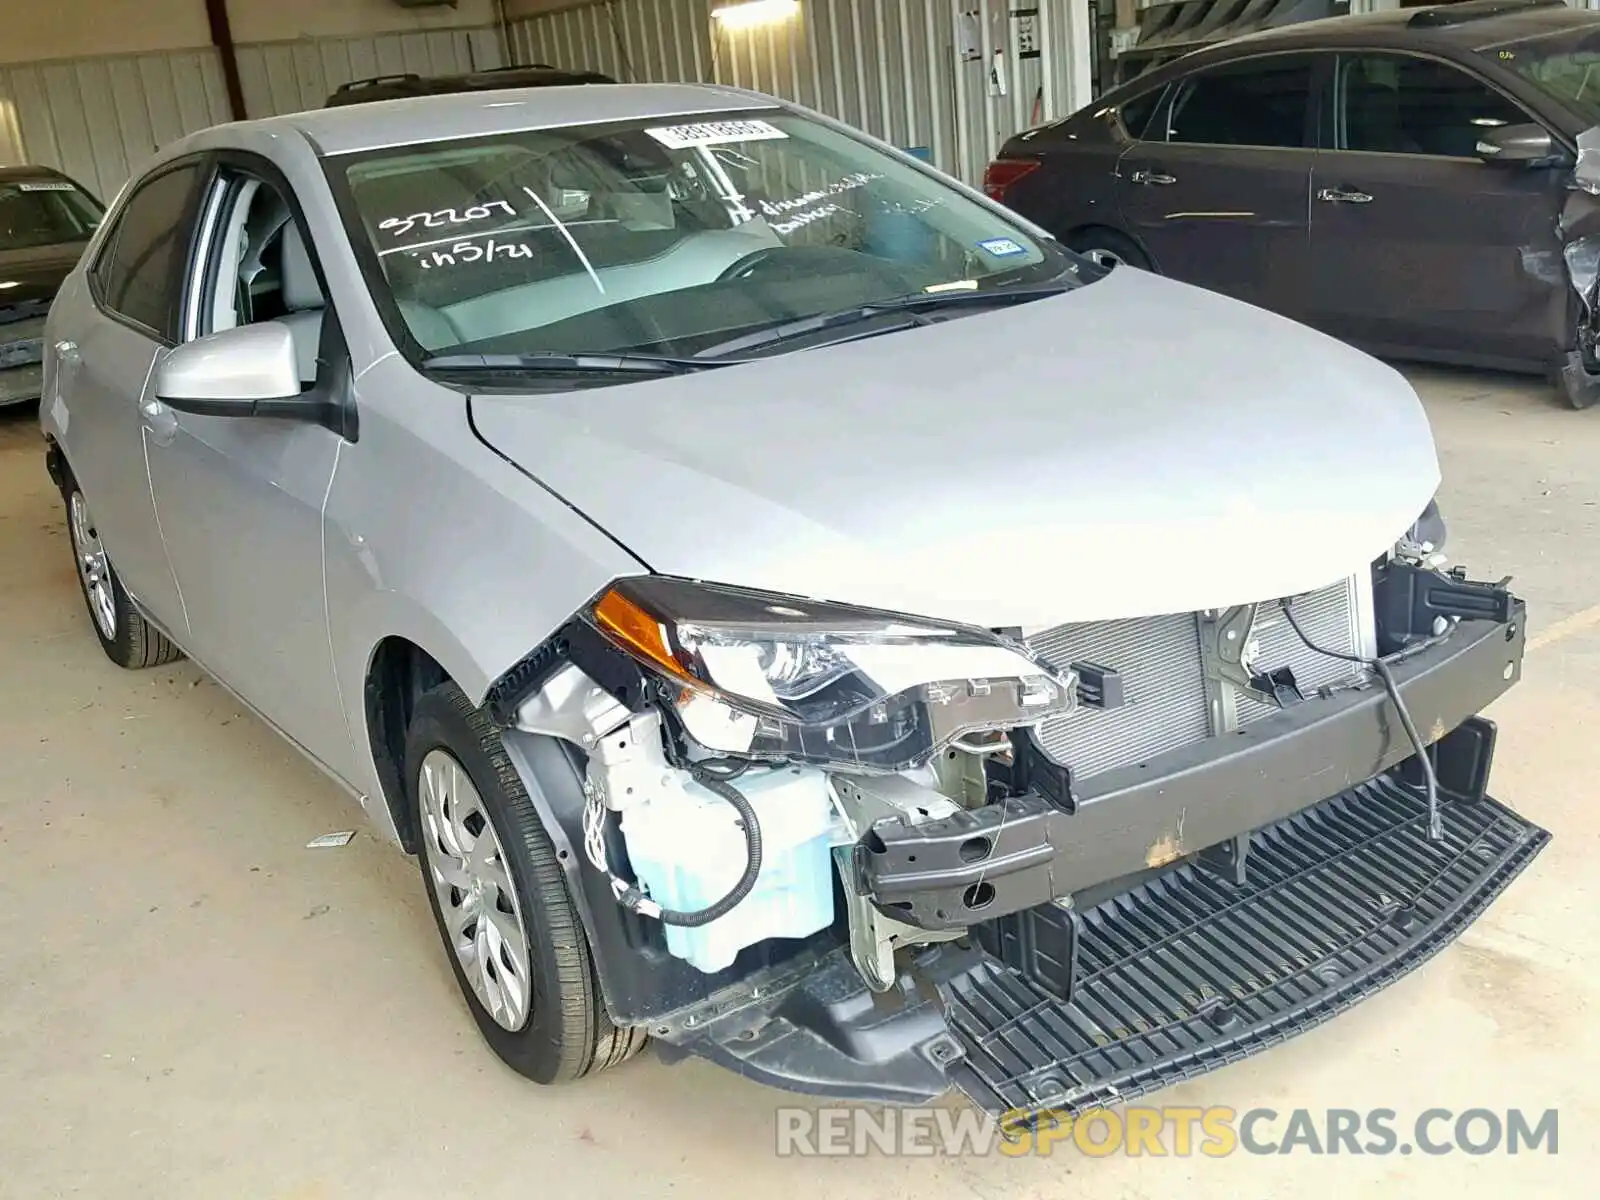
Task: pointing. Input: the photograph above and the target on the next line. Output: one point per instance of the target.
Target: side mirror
(1525, 144)
(251, 371)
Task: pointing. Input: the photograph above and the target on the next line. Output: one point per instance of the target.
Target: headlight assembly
(774, 677)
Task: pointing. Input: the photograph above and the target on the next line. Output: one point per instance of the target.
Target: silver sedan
(724, 550)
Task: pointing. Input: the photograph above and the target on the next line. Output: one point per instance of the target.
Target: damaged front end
(871, 857)
(1579, 230)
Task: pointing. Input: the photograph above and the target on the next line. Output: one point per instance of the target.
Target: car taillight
(1003, 172)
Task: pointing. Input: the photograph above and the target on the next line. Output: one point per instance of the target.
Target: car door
(240, 498)
(105, 352)
(1418, 246)
(1217, 190)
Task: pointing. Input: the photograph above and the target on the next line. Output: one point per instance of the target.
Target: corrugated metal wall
(638, 41)
(280, 77)
(98, 118)
(914, 72)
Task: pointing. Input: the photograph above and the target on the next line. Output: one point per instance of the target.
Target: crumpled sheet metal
(1586, 174)
(1583, 264)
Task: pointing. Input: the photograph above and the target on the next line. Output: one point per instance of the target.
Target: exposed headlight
(774, 677)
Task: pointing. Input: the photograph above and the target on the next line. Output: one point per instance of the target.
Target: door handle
(160, 420)
(1153, 178)
(1343, 196)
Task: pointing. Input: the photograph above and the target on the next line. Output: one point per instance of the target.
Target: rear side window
(139, 273)
(1136, 113)
(1259, 102)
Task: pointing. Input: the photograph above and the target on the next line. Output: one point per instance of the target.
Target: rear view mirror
(243, 372)
(1524, 144)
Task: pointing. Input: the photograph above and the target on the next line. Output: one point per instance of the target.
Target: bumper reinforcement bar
(1027, 850)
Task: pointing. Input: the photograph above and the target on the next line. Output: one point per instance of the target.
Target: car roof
(28, 172)
(1474, 25)
(404, 122)
(387, 87)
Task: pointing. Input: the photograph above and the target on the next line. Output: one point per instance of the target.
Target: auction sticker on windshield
(1001, 247)
(714, 133)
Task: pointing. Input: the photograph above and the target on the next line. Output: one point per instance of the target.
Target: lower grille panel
(1186, 973)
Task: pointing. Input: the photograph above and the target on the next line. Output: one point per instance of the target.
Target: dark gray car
(46, 219)
(1403, 180)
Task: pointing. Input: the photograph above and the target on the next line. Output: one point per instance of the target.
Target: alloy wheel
(93, 566)
(473, 886)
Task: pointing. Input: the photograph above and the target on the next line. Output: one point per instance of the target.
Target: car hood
(1132, 447)
(35, 274)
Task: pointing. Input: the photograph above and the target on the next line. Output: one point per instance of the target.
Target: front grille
(1164, 683)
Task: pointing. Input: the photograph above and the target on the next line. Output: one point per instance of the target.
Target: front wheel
(127, 638)
(499, 897)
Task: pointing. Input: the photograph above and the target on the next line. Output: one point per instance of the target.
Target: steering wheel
(780, 262)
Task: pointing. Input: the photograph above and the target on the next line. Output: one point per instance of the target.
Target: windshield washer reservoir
(687, 851)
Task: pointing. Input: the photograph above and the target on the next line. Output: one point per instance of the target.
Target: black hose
(713, 779)
(1430, 777)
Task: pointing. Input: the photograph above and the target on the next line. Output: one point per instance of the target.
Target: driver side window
(259, 268)
(1395, 104)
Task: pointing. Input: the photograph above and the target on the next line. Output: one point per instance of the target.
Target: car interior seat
(1373, 118)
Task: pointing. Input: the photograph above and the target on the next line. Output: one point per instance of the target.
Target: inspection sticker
(52, 186)
(714, 133)
(1001, 247)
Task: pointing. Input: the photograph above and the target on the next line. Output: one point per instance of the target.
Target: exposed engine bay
(776, 792)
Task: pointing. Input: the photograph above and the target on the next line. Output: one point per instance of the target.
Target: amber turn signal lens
(631, 627)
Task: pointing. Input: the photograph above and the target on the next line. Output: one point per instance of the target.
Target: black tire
(1107, 247)
(566, 1034)
(133, 642)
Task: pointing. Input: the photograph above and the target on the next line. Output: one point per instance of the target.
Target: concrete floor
(194, 1005)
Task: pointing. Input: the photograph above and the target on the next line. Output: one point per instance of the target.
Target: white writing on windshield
(443, 218)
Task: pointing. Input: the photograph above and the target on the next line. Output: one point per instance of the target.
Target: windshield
(44, 212)
(1564, 65)
(664, 236)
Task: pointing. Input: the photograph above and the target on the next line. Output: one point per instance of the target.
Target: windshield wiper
(913, 306)
(557, 363)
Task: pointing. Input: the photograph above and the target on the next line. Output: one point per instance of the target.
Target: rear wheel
(499, 897)
(127, 638)
(1109, 249)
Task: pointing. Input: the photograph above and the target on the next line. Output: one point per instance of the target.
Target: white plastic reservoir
(688, 852)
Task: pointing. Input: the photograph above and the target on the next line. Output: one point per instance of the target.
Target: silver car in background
(793, 609)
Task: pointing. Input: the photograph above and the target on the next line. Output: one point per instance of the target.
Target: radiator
(1166, 700)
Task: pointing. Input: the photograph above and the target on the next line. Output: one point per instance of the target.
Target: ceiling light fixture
(751, 14)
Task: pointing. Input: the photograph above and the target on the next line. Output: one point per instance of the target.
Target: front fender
(431, 536)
